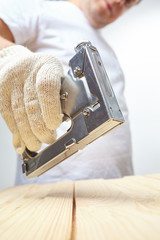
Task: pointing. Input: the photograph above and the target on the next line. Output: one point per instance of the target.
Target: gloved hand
(30, 96)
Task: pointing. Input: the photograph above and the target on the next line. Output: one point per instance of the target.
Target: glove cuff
(14, 50)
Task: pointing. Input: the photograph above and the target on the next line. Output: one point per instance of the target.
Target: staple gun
(88, 101)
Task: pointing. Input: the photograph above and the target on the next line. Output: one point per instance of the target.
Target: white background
(135, 37)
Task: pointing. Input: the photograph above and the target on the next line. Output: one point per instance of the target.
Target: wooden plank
(155, 176)
(37, 212)
(124, 209)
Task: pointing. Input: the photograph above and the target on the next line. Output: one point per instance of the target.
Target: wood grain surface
(125, 209)
(36, 212)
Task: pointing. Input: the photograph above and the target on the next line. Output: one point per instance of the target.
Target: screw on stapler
(88, 101)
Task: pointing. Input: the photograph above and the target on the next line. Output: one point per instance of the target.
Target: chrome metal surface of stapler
(89, 102)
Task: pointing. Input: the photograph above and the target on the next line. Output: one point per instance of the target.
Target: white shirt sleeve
(21, 16)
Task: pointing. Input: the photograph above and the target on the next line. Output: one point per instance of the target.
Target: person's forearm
(5, 43)
(6, 37)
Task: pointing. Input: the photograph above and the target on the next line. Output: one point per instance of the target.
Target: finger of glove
(18, 108)
(10, 121)
(48, 85)
(33, 111)
(7, 113)
(18, 143)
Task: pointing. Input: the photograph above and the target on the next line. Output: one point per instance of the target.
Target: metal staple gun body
(88, 100)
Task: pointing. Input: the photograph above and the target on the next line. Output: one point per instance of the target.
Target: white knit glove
(30, 96)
